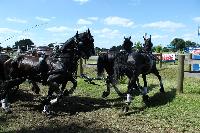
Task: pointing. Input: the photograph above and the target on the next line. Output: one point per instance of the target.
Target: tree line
(177, 44)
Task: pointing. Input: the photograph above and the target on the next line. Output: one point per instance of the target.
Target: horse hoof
(145, 99)
(105, 94)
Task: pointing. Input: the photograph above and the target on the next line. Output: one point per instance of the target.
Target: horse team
(60, 67)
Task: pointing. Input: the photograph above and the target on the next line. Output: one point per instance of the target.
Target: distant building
(44, 49)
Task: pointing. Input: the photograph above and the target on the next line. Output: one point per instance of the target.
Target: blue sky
(51, 21)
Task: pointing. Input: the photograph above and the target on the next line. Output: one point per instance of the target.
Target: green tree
(116, 48)
(24, 44)
(97, 50)
(190, 44)
(178, 43)
(158, 48)
(138, 45)
(51, 45)
(165, 49)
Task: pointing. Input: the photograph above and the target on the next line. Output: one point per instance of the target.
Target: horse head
(147, 42)
(127, 45)
(85, 44)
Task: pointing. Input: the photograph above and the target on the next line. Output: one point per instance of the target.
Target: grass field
(85, 111)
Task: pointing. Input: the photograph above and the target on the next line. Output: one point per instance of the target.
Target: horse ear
(76, 34)
(130, 38)
(88, 31)
(124, 37)
(144, 38)
(150, 38)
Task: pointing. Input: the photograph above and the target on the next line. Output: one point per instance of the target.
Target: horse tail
(101, 64)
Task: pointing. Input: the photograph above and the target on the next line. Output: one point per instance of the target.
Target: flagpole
(198, 35)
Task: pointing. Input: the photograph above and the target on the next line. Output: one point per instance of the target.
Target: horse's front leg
(145, 97)
(108, 86)
(7, 87)
(74, 82)
(53, 87)
(132, 88)
(35, 87)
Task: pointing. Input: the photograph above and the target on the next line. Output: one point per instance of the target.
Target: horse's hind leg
(156, 73)
(108, 86)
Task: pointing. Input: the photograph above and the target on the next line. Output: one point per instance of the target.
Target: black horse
(105, 62)
(132, 65)
(57, 70)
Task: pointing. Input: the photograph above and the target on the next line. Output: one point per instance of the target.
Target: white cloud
(16, 20)
(197, 19)
(7, 30)
(159, 36)
(58, 29)
(119, 21)
(168, 25)
(42, 19)
(93, 18)
(192, 36)
(84, 22)
(108, 33)
(81, 2)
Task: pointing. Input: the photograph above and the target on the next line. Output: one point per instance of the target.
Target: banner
(193, 50)
(168, 57)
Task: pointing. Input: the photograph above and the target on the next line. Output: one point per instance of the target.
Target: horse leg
(107, 92)
(7, 86)
(74, 82)
(116, 89)
(145, 97)
(53, 86)
(65, 92)
(35, 87)
(5, 104)
(156, 73)
(132, 86)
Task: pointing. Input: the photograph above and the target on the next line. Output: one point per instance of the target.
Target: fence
(82, 63)
(182, 60)
(159, 56)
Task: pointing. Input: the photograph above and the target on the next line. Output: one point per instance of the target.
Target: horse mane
(68, 45)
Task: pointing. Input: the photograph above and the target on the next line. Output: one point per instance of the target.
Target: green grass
(86, 111)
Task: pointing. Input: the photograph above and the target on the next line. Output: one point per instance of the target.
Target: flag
(198, 30)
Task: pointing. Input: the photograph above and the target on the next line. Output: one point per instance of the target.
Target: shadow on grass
(158, 99)
(71, 105)
(21, 95)
(71, 127)
(4, 118)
